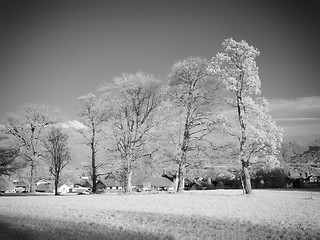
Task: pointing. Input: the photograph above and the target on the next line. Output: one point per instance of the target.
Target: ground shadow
(117, 225)
(70, 231)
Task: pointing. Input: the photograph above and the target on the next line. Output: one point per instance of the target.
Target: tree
(8, 156)
(135, 100)
(192, 91)
(57, 153)
(93, 115)
(26, 127)
(256, 132)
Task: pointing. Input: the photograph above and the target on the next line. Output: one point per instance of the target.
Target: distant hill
(300, 160)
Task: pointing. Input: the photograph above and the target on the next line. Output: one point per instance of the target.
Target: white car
(82, 190)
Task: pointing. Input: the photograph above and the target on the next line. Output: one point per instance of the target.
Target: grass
(223, 214)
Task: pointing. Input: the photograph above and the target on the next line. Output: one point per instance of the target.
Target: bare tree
(192, 91)
(93, 115)
(135, 100)
(26, 127)
(57, 153)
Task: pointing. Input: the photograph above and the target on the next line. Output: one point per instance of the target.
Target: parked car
(20, 190)
(170, 190)
(146, 189)
(82, 190)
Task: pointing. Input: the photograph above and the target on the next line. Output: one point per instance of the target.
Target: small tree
(57, 153)
(8, 156)
(26, 127)
(256, 132)
(135, 100)
(93, 115)
(192, 92)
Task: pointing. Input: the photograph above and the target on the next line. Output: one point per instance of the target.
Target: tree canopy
(148, 125)
(256, 132)
(26, 127)
(57, 153)
(135, 100)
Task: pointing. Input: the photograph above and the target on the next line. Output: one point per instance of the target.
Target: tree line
(146, 120)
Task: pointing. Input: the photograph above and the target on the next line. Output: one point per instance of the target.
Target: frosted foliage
(257, 133)
(263, 136)
(237, 67)
(88, 100)
(192, 86)
(272, 162)
(92, 110)
(27, 125)
(134, 101)
(131, 92)
(189, 71)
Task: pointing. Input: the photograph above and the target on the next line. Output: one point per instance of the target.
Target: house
(108, 184)
(313, 179)
(44, 187)
(84, 183)
(158, 183)
(197, 185)
(188, 184)
(311, 182)
(64, 188)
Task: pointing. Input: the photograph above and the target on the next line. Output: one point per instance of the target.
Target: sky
(53, 52)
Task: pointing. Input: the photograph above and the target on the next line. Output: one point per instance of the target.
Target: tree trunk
(129, 183)
(56, 182)
(94, 174)
(94, 181)
(180, 184)
(31, 189)
(247, 181)
(242, 183)
(93, 161)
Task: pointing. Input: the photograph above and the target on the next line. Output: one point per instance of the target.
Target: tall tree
(57, 153)
(26, 127)
(256, 132)
(192, 91)
(135, 100)
(8, 156)
(93, 115)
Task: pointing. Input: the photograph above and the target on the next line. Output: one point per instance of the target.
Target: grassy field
(217, 214)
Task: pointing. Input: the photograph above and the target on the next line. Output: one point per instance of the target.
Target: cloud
(299, 117)
(301, 131)
(306, 107)
(73, 124)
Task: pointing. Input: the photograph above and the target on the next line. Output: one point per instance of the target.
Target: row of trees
(34, 137)
(140, 119)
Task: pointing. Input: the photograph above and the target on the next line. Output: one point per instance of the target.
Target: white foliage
(257, 133)
(238, 61)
